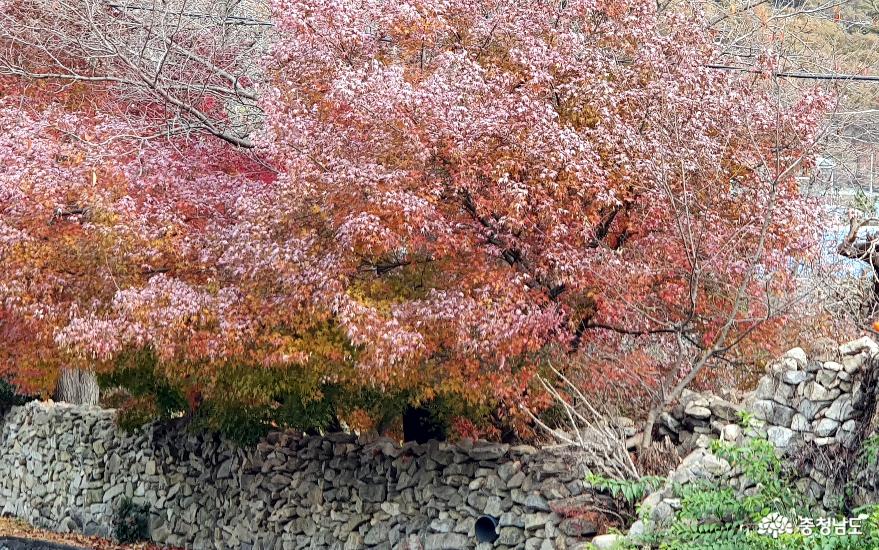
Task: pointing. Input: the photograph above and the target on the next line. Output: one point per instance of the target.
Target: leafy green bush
(140, 391)
(9, 397)
(131, 522)
(714, 516)
(870, 451)
(631, 491)
(244, 403)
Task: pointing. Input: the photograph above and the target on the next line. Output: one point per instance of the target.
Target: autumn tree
(193, 64)
(444, 199)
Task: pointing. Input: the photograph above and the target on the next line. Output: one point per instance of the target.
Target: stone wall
(68, 468)
(815, 410)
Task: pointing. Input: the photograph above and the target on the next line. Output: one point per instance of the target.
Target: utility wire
(238, 20)
(796, 74)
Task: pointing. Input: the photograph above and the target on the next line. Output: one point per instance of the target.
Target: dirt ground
(16, 528)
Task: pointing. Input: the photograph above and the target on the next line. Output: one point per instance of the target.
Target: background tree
(444, 199)
(193, 64)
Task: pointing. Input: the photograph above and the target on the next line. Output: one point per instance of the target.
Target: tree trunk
(76, 386)
(647, 435)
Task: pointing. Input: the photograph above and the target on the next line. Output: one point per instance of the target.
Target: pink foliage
(464, 187)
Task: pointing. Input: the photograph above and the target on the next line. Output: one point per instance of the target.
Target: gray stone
(113, 492)
(377, 534)
(607, 542)
(506, 470)
(833, 365)
(442, 525)
(113, 464)
(715, 465)
(795, 377)
(509, 518)
(511, 536)
(779, 436)
(800, 424)
(814, 366)
(847, 434)
(731, 432)
(853, 363)
(662, 514)
(488, 451)
(798, 355)
(697, 411)
(841, 409)
(703, 441)
(373, 493)
(638, 529)
(826, 378)
(446, 541)
(493, 507)
(779, 415)
(816, 392)
(826, 427)
(535, 521)
(68, 525)
(537, 502)
(809, 408)
(669, 422)
(783, 393)
(225, 469)
(699, 464)
(765, 388)
(723, 409)
(577, 527)
(864, 344)
(763, 409)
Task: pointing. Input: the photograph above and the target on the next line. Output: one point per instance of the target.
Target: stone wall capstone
(68, 468)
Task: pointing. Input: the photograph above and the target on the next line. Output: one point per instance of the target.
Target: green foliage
(9, 397)
(714, 516)
(631, 490)
(130, 524)
(746, 418)
(761, 465)
(236, 421)
(251, 402)
(870, 450)
(146, 394)
(244, 403)
(865, 204)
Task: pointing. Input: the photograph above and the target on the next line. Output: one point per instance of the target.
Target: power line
(796, 74)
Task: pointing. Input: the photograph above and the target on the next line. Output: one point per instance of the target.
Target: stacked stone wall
(815, 410)
(69, 468)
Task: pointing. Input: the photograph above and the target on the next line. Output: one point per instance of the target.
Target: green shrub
(9, 397)
(631, 491)
(713, 516)
(870, 451)
(131, 523)
(244, 403)
(140, 391)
